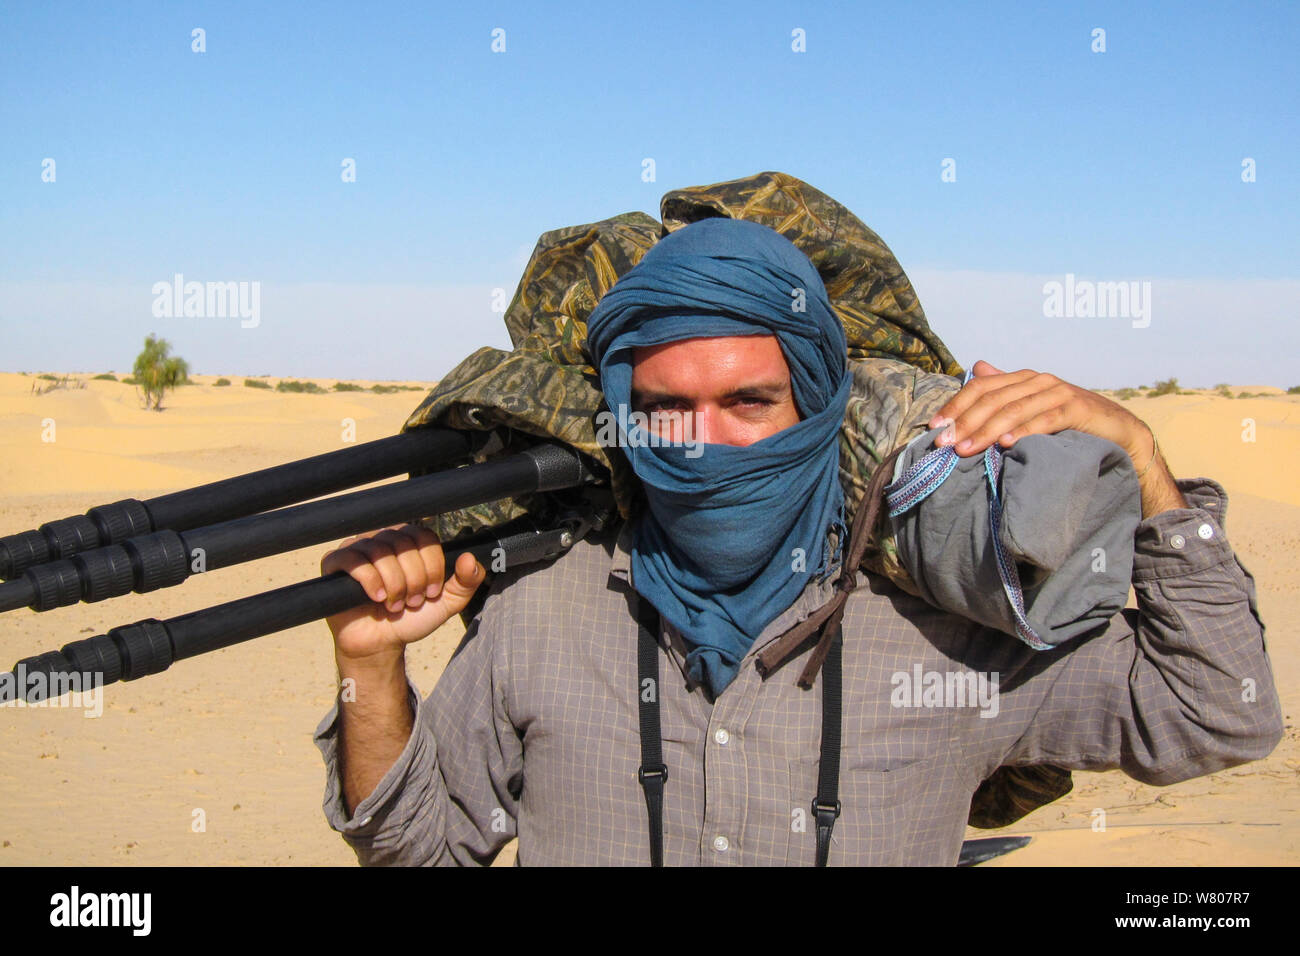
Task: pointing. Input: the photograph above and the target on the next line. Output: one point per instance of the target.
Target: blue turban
(732, 534)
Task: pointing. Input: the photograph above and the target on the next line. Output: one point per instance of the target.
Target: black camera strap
(653, 773)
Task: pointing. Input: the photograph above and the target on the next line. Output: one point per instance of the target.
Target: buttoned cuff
(1184, 541)
(370, 814)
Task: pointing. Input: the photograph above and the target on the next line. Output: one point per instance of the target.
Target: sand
(212, 763)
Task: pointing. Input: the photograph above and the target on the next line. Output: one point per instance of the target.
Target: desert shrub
(292, 385)
(1224, 391)
(221, 382)
(1168, 387)
(48, 377)
(105, 377)
(1124, 394)
(347, 387)
(383, 389)
(256, 383)
(1293, 390)
(57, 382)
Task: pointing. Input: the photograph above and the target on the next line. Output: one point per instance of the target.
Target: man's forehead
(758, 345)
(723, 363)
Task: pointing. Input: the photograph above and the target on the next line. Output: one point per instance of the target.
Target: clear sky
(226, 166)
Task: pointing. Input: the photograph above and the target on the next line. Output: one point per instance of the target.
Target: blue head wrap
(733, 533)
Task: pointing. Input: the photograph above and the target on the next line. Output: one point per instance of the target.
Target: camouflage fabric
(546, 387)
(891, 403)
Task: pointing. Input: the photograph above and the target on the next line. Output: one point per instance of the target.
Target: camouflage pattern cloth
(890, 403)
(546, 387)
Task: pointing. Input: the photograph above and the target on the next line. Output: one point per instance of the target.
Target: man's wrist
(1154, 452)
(1159, 489)
(1156, 482)
(373, 689)
(381, 664)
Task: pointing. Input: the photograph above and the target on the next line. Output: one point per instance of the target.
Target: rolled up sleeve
(1179, 687)
(450, 797)
(402, 821)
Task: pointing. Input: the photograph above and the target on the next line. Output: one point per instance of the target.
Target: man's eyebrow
(771, 390)
(761, 389)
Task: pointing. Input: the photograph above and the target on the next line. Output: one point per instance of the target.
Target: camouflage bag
(546, 387)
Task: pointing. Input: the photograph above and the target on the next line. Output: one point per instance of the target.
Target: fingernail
(432, 591)
(938, 422)
(1006, 439)
(381, 595)
(949, 436)
(415, 600)
(395, 606)
(966, 444)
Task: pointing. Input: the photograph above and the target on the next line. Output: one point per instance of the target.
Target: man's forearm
(375, 721)
(1159, 490)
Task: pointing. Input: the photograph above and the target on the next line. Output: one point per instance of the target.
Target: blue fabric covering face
(732, 534)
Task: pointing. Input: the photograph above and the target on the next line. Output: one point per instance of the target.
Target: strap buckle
(644, 773)
(832, 809)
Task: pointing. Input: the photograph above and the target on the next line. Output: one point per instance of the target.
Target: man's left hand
(1003, 407)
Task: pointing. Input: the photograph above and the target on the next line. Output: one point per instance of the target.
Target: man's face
(734, 389)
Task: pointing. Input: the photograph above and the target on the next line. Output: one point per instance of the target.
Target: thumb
(986, 368)
(458, 589)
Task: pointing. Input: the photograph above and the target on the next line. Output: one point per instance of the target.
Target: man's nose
(704, 424)
(712, 427)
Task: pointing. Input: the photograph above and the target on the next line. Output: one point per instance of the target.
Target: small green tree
(157, 370)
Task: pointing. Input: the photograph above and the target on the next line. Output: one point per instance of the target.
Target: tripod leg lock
(20, 551)
(106, 573)
(121, 520)
(145, 646)
(102, 574)
(57, 584)
(160, 560)
(69, 536)
(96, 655)
(124, 653)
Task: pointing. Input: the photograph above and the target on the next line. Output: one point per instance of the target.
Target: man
(534, 729)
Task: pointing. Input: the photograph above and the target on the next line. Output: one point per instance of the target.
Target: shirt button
(721, 844)
(722, 737)
(1205, 531)
(1177, 542)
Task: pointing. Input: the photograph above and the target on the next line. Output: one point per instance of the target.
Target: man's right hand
(402, 571)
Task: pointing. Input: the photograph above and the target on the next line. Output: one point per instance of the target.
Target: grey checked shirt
(532, 731)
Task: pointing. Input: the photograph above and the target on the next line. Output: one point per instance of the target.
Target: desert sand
(229, 733)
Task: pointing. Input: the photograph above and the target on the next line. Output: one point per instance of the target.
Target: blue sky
(225, 166)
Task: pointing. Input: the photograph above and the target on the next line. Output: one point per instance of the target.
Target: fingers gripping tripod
(161, 542)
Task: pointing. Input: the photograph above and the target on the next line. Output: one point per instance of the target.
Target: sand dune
(228, 734)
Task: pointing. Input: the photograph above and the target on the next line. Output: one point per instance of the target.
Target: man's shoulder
(581, 574)
(555, 617)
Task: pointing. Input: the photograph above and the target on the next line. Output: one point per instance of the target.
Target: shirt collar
(813, 596)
